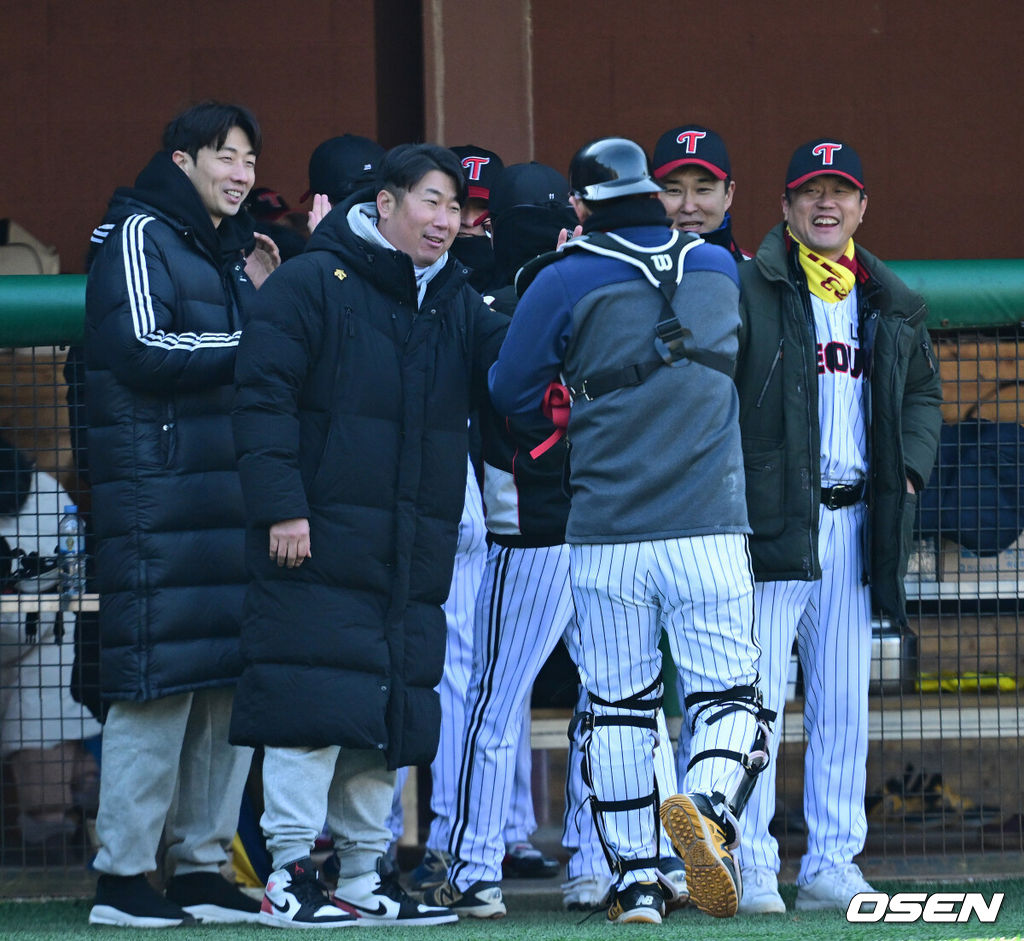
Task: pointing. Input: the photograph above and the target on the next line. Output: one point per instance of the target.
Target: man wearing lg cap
(692, 165)
(638, 319)
(473, 246)
(840, 419)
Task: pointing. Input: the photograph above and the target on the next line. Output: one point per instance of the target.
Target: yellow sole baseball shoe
(711, 874)
(641, 902)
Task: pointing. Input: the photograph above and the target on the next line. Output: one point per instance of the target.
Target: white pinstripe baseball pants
(699, 590)
(831, 620)
(522, 610)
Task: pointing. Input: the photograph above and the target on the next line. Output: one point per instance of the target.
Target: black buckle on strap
(842, 495)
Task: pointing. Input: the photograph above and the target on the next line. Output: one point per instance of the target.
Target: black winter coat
(163, 316)
(351, 412)
(777, 382)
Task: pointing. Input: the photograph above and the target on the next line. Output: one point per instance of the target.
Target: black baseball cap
(826, 155)
(691, 144)
(265, 204)
(533, 185)
(480, 167)
(341, 165)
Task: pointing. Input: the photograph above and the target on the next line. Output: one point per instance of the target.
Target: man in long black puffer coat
(354, 379)
(165, 301)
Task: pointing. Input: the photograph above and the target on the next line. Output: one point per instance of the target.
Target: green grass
(538, 917)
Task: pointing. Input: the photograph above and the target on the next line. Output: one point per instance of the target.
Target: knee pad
(637, 711)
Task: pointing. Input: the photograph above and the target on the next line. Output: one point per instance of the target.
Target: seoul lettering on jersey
(836, 357)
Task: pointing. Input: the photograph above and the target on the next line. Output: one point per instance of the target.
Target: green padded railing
(37, 310)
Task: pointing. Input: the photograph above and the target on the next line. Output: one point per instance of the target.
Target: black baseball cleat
(480, 900)
(700, 840)
(641, 902)
(131, 902)
(295, 898)
(524, 861)
(211, 899)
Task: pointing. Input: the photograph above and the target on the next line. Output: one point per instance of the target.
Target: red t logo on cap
(690, 138)
(474, 165)
(826, 151)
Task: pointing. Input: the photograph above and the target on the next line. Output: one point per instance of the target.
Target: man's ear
(183, 160)
(385, 203)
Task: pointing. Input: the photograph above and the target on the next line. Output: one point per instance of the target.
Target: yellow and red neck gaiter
(830, 280)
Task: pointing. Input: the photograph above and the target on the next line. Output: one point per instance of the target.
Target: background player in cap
(472, 246)
(692, 165)
(338, 167)
(840, 418)
(657, 525)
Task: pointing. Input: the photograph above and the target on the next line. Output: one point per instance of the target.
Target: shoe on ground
(587, 893)
(672, 877)
(480, 900)
(295, 898)
(524, 861)
(211, 899)
(431, 872)
(131, 902)
(832, 888)
(761, 892)
(378, 899)
(641, 902)
(700, 840)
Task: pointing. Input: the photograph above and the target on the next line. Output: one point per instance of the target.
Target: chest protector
(663, 267)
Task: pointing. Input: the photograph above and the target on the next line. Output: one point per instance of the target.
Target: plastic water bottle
(71, 549)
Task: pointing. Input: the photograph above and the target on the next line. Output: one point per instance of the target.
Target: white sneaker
(761, 893)
(295, 898)
(587, 893)
(832, 888)
(378, 899)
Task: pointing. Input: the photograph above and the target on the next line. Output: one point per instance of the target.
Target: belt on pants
(842, 495)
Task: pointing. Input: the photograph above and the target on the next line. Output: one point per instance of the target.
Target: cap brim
(665, 170)
(479, 192)
(800, 180)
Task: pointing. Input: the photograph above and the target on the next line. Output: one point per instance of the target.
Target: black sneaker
(377, 898)
(672, 877)
(480, 900)
(131, 902)
(295, 898)
(211, 899)
(641, 902)
(524, 861)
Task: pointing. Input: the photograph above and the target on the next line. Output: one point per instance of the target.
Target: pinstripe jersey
(841, 382)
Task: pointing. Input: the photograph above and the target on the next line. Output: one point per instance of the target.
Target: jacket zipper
(771, 372)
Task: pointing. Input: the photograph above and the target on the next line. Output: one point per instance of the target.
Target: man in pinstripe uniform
(840, 418)
(638, 319)
(524, 606)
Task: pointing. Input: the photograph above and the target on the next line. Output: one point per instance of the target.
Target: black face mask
(476, 253)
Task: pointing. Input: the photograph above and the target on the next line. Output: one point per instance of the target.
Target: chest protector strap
(663, 267)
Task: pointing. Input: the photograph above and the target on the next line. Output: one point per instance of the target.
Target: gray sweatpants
(349, 788)
(167, 764)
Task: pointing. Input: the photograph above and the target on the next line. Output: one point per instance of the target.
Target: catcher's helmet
(609, 168)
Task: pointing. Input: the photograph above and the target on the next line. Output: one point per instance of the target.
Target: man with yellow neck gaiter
(839, 414)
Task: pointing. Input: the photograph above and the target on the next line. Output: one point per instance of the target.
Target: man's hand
(289, 542)
(910, 486)
(262, 260)
(564, 236)
(321, 206)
